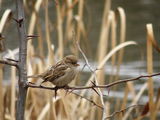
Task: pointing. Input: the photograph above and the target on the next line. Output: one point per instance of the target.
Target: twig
(123, 110)
(95, 76)
(31, 36)
(12, 60)
(91, 101)
(18, 21)
(83, 66)
(85, 58)
(6, 62)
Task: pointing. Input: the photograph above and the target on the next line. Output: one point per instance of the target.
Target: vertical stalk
(150, 38)
(60, 31)
(22, 61)
(1, 92)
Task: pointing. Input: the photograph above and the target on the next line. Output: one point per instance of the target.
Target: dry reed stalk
(157, 106)
(51, 113)
(102, 50)
(34, 95)
(84, 106)
(13, 92)
(1, 93)
(150, 71)
(0, 3)
(49, 44)
(113, 41)
(108, 108)
(31, 98)
(28, 113)
(60, 32)
(85, 109)
(106, 58)
(104, 35)
(94, 112)
(121, 13)
(80, 15)
(31, 28)
(75, 107)
(46, 109)
(81, 30)
(69, 25)
(152, 38)
(66, 106)
(124, 101)
(6, 15)
(135, 100)
(116, 107)
(123, 39)
(34, 17)
(40, 39)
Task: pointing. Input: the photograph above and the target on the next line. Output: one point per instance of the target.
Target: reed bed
(41, 104)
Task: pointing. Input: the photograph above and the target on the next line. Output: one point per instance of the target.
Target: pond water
(138, 14)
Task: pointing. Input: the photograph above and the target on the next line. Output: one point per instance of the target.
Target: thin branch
(6, 62)
(123, 110)
(32, 85)
(55, 88)
(10, 59)
(31, 36)
(94, 73)
(91, 101)
(85, 58)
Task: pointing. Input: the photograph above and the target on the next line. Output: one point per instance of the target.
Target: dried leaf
(145, 110)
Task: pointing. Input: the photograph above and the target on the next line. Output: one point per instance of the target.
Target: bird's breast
(69, 75)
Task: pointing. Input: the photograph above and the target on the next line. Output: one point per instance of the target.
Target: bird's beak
(77, 64)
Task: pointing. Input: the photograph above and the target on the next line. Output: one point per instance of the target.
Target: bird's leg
(65, 88)
(56, 89)
(68, 89)
(59, 87)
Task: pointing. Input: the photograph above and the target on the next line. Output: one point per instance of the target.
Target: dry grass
(41, 104)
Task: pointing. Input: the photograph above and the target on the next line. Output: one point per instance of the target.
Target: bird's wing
(54, 73)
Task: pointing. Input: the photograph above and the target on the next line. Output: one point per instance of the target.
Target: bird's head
(71, 60)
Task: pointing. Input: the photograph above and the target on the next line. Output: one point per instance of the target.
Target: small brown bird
(62, 73)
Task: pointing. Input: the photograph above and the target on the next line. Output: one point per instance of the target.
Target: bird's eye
(73, 62)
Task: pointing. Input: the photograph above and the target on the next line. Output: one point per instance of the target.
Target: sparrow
(62, 73)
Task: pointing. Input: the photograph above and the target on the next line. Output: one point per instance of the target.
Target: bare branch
(65, 88)
(6, 62)
(31, 36)
(94, 86)
(22, 64)
(123, 110)
(12, 60)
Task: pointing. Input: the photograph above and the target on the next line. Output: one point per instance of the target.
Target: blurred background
(54, 26)
(138, 14)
